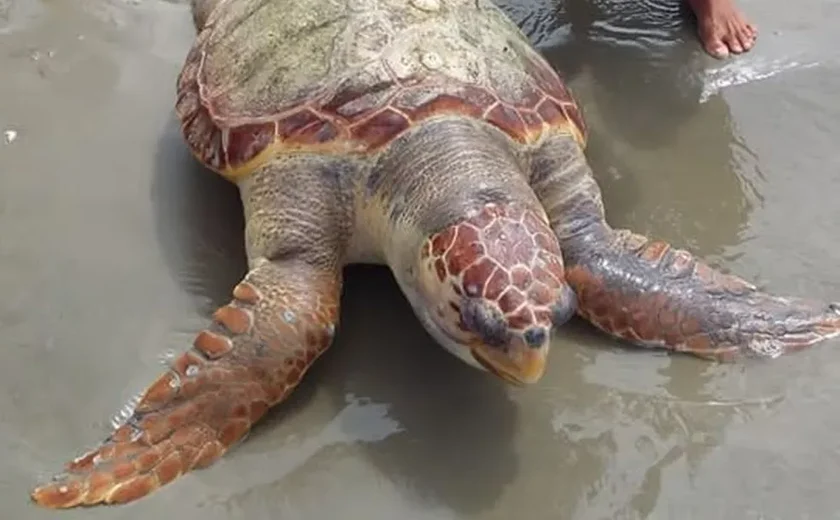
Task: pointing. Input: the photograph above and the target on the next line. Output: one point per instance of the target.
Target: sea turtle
(429, 136)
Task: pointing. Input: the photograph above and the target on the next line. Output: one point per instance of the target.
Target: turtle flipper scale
(654, 295)
(280, 320)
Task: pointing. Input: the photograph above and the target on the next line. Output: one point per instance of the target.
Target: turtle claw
(58, 494)
(130, 465)
(184, 420)
(792, 326)
(90, 480)
(169, 434)
(73, 492)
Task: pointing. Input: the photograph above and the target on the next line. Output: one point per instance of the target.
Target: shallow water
(115, 246)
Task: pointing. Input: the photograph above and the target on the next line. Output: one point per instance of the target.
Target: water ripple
(739, 73)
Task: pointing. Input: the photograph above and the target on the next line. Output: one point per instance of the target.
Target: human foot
(722, 27)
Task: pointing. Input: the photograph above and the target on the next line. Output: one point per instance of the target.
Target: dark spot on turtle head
(493, 195)
(486, 321)
(535, 336)
(565, 308)
(374, 181)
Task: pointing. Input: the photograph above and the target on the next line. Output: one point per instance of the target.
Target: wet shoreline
(115, 246)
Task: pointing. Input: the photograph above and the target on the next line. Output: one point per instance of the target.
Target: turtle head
(490, 288)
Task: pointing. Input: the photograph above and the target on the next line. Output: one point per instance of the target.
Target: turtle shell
(349, 76)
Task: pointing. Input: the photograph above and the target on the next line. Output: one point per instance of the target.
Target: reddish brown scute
(504, 254)
(358, 115)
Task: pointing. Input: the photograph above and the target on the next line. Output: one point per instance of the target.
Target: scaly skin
(652, 295)
(281, 319)
(469, 205)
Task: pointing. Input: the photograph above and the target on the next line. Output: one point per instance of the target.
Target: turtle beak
(528, 368)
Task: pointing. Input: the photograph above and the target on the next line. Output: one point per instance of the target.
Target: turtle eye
(485, 320)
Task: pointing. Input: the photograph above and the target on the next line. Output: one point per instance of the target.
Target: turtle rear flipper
(281, 319)
(654, 295)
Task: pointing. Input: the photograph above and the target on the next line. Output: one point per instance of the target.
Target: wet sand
(115, 247)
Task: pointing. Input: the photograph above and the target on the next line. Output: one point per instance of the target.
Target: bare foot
(722, 27)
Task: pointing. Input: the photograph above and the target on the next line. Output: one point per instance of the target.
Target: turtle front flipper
(654, 295)
(281, 319)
